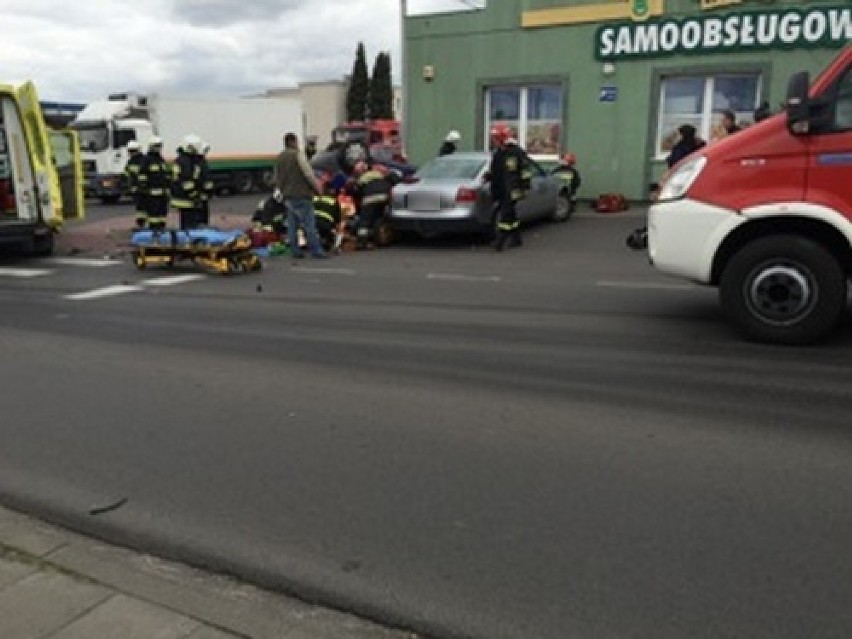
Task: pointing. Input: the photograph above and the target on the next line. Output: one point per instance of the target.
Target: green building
(610, 81)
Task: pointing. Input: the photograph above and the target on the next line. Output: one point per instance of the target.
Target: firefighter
(371, 190)
(449, 145)
(186, 182)
(131, 173)
(567, 172)
(328, 215)
(154, 185)
(509, 175)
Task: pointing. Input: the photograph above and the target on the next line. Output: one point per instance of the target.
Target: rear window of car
(449, 167)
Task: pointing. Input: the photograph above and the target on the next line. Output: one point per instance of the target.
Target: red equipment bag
(610, 203)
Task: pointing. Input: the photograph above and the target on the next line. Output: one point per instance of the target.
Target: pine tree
(359, 87)
(381, 89)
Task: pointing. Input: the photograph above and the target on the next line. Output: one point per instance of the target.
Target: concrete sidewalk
(55, 584)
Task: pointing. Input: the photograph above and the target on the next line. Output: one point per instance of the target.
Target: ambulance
(40, 173)
(765, 215)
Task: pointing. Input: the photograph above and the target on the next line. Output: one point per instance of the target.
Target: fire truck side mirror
(798, 104)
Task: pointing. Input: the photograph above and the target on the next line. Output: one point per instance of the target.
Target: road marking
(648, 285)
(121, 289)
(454, 277)
(106, 291)
(172, 280)
(330, 271)
(83, 261)
(24, 272)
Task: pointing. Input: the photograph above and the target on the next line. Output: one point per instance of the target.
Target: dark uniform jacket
(154, 175)
(186, 181)
(510, 173)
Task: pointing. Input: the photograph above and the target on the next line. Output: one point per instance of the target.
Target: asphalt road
(553, 442)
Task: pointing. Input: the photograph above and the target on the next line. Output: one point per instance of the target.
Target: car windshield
(93, 138)
(452, 168)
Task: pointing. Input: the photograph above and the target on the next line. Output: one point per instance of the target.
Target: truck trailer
(244, 134)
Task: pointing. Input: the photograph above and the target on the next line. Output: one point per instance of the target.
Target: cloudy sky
(79, 51)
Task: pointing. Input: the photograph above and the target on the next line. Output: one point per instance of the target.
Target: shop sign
(782, 29)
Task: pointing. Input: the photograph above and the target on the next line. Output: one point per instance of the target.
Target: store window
(700, 101)
(534, 113)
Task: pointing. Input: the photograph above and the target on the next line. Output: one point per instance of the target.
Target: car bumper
(459, 220)
(684, 236)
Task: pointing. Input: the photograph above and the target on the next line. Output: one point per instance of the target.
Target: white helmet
(453, 136)
(155, 140)
(133, 145)
(192, 143)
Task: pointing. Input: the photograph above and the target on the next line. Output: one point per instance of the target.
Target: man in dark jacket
(509, 176)
(688, 143)
(295, 185)
(371, 190)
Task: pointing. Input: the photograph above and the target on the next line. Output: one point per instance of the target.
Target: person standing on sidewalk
(296, 185)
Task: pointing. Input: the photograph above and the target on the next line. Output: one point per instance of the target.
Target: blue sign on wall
(608, 94)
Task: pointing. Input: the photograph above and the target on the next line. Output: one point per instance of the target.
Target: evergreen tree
(359, 87)
(381, 89)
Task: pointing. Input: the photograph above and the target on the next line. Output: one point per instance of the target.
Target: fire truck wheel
(786, 289)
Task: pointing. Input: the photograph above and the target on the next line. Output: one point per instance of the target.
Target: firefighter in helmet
(510, 176)
(568, 174)
(154, 185)
(372, 190)
(131, 174)
(187, 182)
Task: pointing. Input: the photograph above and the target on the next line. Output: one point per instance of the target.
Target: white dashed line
(83, 261)
(24, 272)
(648, 285)
(172, 280)
(121, 289)
(106, 291)
(453, 277)
(329, 271)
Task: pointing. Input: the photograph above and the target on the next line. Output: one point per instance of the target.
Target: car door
(65, 147)
(535, 200)
(830, 157)
(19, 201)
(47, 191)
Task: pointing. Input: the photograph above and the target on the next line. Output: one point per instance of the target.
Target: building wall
(615, 141)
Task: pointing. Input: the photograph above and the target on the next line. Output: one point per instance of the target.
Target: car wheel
(564, 209)
(110, 199)
(784, 289)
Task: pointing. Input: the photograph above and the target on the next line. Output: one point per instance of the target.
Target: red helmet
(570, 159)
(500, 133)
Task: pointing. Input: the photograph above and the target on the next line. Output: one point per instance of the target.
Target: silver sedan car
(450, 194)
